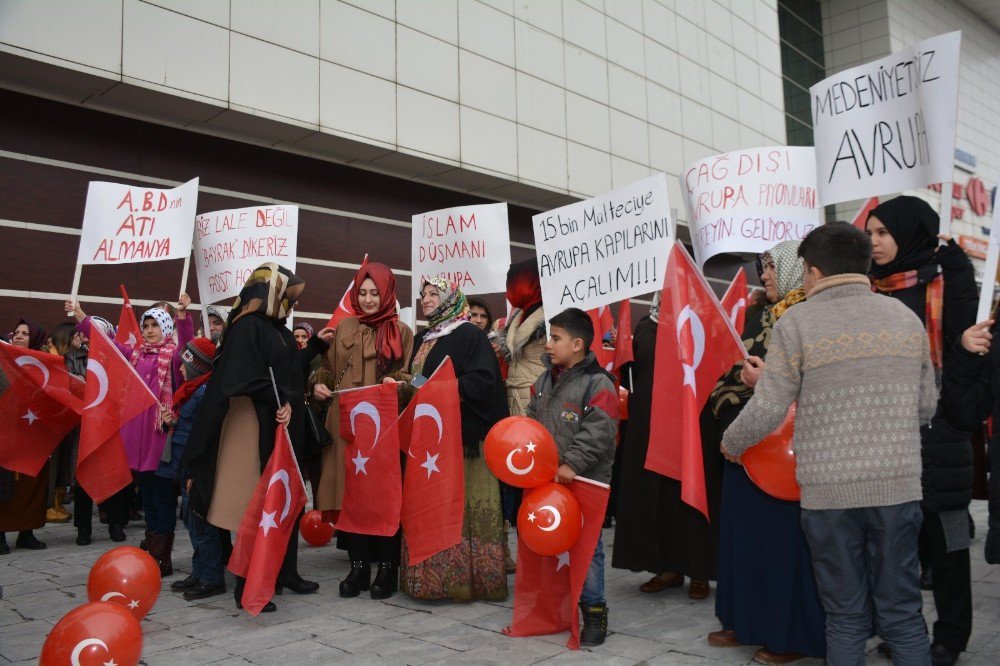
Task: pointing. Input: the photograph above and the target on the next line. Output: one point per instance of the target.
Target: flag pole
(76, 286)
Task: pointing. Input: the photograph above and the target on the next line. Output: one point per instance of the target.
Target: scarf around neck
(933, 302)
(164, 352)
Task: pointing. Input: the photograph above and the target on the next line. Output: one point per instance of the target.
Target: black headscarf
(37, 336)
(914, 226)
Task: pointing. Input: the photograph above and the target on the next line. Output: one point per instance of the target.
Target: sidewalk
(40, 587)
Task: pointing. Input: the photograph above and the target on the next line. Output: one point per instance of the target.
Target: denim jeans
(206, 563)
(593, 587)
(159, 502)
(865, 563)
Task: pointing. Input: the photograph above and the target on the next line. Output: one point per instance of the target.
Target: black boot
(4, 548)
(595, 623)
(358, 579)
(269, 607)
(144, 544)
(926, 579)
(186, 584)
(116, 533)
(27, 540)
(386, 579)
(296, 584)
(83, 536)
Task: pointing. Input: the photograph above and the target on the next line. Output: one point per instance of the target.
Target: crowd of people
(871, 334)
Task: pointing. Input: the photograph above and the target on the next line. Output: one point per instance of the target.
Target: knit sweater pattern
(859, 365)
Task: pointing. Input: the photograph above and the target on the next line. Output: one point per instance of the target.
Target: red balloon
(94, 633)
(126, 576)
(549, 521)
(771, 463)
(521, 452)
(314, 530)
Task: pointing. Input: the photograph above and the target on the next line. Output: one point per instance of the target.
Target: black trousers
(367, 548)
(952, 579)
(116, 507)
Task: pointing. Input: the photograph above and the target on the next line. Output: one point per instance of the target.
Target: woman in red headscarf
(364, 349)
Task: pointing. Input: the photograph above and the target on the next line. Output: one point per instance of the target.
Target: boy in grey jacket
(576, 400)
(859, 365)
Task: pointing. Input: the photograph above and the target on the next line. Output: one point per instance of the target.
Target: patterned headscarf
(654, 307)
(789, 277)
(453, 311)
(271, 290)
(162, 319)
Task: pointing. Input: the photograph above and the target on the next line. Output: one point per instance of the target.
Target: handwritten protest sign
(750, 200)
(604, 249)
(887, 125)
(990, 269)
(230, 244)
(124, 224)
(469, 245)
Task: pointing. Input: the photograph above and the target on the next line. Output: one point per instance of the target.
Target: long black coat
(946, 450)
(970, 393)
(480, 385)
(251, 346)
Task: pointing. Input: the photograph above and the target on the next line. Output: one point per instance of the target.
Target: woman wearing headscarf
(474, 568)
(522, 342)
(233, 433)
(67, 342)
(23, 498)
(766, 593)
(303, 332)
(157, 360)
(938, 284)
(656, 531)
(365, 349)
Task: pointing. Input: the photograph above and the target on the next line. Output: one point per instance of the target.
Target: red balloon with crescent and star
(549, 521)
(95, 634)
(126, 576)
(521, 452)
(771, 463)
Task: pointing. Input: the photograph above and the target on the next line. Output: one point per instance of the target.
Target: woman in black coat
(233, 435)
(937, 282)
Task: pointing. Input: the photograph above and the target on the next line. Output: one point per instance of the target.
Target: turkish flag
(734, 301)
(267, 525)
(373, 479)
(547, 588)
(114, 396)
(623, 343)
(128, 332)
(344, 308)
(695, 345)
(601, 319)
(40, 403)
(434, 482)
(861, 217)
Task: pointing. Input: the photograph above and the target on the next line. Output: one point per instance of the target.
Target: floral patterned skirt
(473, 569)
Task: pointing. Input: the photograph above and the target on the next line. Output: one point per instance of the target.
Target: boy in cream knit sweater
(859, 365)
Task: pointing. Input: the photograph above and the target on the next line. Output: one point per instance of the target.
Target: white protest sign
(469, 245)
(990, 269)
(887, 125)
(750, 200)
(230, 244)
(124, 224)
(604, 249)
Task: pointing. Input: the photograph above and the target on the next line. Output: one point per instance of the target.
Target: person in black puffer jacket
(938, 284)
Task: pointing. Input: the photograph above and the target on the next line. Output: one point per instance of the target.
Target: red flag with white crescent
(267, 524)
(734, 301)
(128, 332)
(40, 403)
(115, 395)
(547, 588)
(344, 309)
(623, 341)
(602, 321)
(373, 481)
(695, 345)
(434, 482)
